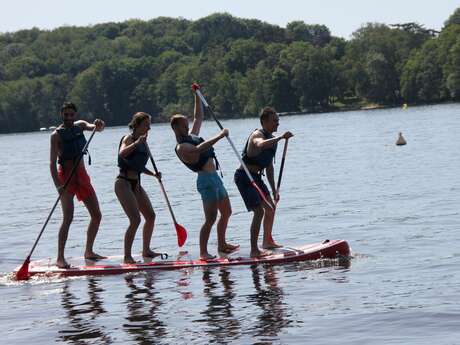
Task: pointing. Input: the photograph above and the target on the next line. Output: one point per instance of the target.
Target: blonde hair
(138, 118)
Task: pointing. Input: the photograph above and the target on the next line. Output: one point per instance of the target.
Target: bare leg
(255, 229)
(210, 213)
(92, 205)
(129, 203)
(225, 210)
(67, 213)
(269, 218)
(146, 209)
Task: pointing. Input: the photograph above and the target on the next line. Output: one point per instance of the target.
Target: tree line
(115, 69)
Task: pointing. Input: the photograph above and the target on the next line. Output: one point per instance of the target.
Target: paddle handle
(74, 168)
(280, 175)
(161, 185)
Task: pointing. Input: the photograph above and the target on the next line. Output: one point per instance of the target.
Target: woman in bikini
(133, 155)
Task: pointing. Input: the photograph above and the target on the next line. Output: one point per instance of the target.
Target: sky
(342, 17)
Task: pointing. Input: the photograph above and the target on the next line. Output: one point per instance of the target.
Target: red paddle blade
(23, 272)
(181, 234)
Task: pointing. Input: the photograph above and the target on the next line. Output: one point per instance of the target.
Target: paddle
(196, 88)
(281, 168)
(280, 176)
(23, 272)
(180, 230)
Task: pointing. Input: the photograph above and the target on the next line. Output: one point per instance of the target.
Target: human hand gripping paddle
(180, 230)
(196, 88)
(23, 272)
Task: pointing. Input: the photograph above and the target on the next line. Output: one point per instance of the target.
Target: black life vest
(204, 156)
(135, 161)
(73, 141)
(265, 157)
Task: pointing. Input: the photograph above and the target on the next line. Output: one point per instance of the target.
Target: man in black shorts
(258, 154)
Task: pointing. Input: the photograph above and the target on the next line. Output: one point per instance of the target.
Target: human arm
(86, 126)
(128, 145)
(197, 114)
(263, 144)
(54, 149)
(191, 153)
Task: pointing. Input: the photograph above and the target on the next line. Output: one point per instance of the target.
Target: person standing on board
(199, 156)
(133, 155)
(258, 154)
(67, 143)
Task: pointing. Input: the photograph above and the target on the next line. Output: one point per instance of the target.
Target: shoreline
(331, 109)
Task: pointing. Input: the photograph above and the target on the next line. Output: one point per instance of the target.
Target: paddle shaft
(161, 185)
(282, 167)
(72, 173)
(246, 170)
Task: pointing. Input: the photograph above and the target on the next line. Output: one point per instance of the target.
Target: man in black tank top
(198, 155)
(258, 156)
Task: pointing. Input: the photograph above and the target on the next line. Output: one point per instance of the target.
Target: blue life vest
(204, 156)
(265, 157)
(135, 161)
(73, 141)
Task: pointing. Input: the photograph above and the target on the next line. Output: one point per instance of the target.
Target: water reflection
(82, 315)
(268, 297)
(219, 314)
(143, 306)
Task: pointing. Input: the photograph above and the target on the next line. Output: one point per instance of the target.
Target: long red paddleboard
(329, 249)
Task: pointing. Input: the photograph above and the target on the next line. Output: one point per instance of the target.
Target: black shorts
(250, 195)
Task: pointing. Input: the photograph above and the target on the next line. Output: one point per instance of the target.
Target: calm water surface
(398, 207)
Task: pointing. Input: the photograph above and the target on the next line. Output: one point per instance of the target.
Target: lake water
(398, 207)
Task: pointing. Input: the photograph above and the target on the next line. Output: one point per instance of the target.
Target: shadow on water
(82, 315)
(143, 305)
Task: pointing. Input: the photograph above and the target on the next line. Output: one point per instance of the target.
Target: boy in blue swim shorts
(199, 156)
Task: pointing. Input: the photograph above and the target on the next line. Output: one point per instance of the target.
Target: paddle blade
(181, 234)
(23, 272)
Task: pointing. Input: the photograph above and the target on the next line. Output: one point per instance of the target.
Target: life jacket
(135, 161)
(204, 156)
(73, 141)
(265, 157)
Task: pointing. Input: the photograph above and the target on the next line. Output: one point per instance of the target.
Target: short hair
(175, 119)
(68, 105)
(138, 118)
(265, 113)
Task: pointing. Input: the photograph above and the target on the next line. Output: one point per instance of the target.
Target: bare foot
(93, 256)
(129, 260)
(228, 248)
(271, 245)
(150, 254)
(258, 253)
(61, 263)
(207, 256)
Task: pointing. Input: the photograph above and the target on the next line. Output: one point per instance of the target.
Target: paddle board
(328, 249)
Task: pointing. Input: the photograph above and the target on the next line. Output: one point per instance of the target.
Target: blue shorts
(210, 187)
(250, 195)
